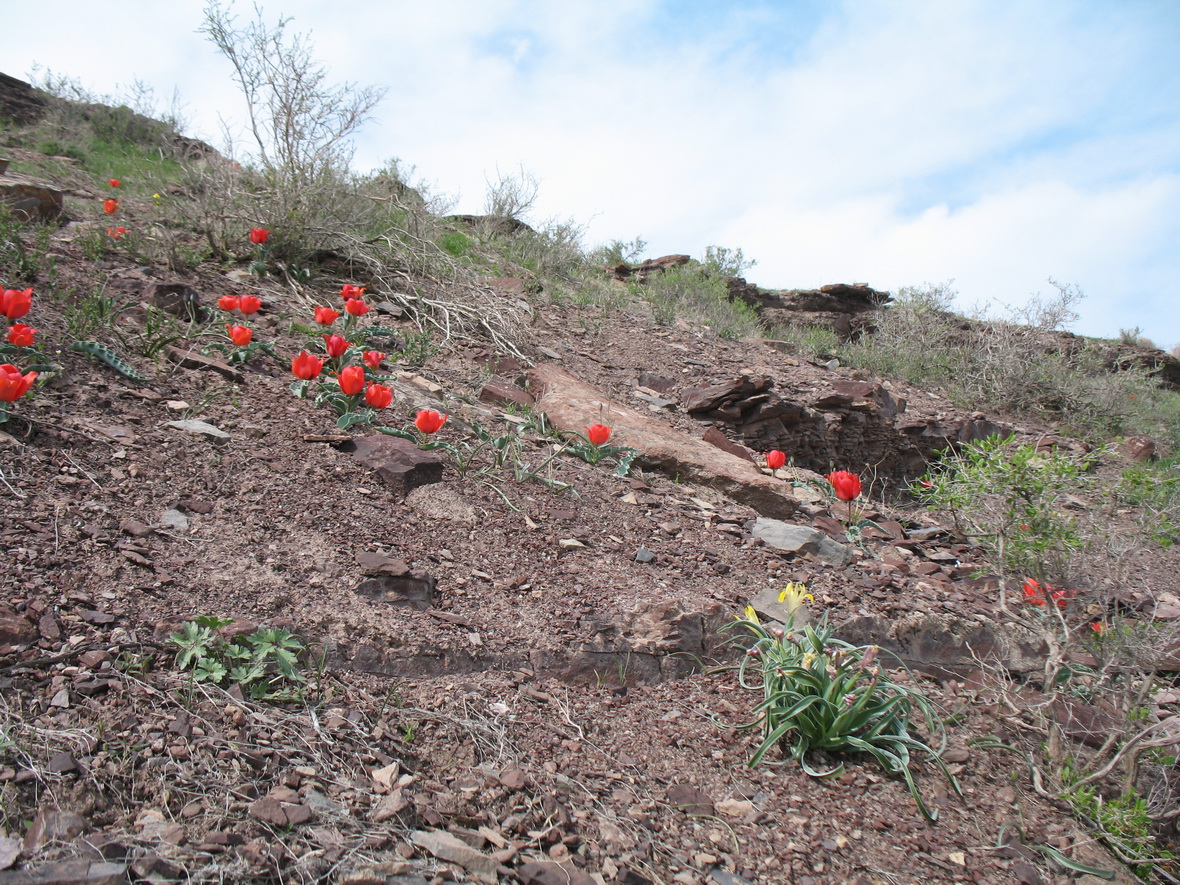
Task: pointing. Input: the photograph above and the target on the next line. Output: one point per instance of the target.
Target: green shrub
(1010, 499)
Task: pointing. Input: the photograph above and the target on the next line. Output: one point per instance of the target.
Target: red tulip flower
(335, 345)
(598, 434)
(110, 207)
(259, 235)
(15, 303)
(239, 335)
(229, 302)
(249, 304)
(351, 380)
(20, 335)
(775, 459)
(14, 385)
(350, 291)
(847, 485)
(114, 182)
(116, 233)
(378, 396)
(356, 307)
(325, 316)
(1034, 594)
(306, 367)
(372, 359)
(429, 421)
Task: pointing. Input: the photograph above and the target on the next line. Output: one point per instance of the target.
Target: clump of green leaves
(1009, 498)
(1123, 822)
(823, 694)
(265, 663)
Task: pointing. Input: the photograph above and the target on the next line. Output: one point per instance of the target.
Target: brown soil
(519, 712)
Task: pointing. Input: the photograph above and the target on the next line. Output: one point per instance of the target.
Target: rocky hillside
(245, 637)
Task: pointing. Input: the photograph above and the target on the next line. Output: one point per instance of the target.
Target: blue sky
(997, 143)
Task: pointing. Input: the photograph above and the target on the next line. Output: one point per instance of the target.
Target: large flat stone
(801, 539)
(571, 404)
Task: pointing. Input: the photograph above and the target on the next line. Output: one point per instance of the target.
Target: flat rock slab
(446, 847)
(401, 465)
(68, 872)
(571, 404)
(201, 428)
(801, 539)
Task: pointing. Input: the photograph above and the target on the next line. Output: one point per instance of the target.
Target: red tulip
(356, 307)
(429, 421)
(373, 358)
(1034, 594)
(116, 233)
(114, 182)
(21, 335)
(350, 291)
(110, 207)
(15, 303)
(378, 396)
(335, 345)
(13, 385)
(249, 304)
(775, 459)
(351, 380)
(847, 485)
(229, 302)
(598, 434)
(239, 335)
(306, 367)
(259, 235)
(325, 316)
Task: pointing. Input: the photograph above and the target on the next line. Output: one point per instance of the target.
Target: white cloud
(997, 143)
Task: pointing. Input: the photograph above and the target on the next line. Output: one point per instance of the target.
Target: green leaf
(104, 354)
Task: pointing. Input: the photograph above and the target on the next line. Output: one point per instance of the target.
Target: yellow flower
(155, 196)
(808, 660)
(793, 596)
(752, 615)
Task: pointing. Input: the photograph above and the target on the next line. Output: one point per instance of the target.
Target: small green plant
(820, 694)
(1009, 498)
(265, 663)
(418, 349)
(1123, 822)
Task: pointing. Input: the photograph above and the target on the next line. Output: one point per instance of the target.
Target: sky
(1000, 144)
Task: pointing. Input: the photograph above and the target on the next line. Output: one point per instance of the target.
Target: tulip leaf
(104, 354)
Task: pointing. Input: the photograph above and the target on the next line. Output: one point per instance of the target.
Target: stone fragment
(500, 391)
(180, 300)
(715, 437)
(803, 540)
(9, 850)
(53, 825)
(690, 800)
(450, 848)
(202, 428)
(389, 807)
(31, 200)
(392, 581)
(68, 872)
(550, 873)
(175, 520)
(400, 464)
(191, 359)
(644, 555)
(15, 628)
(768, 607)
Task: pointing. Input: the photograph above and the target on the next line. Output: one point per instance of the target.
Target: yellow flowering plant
(822, 694)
